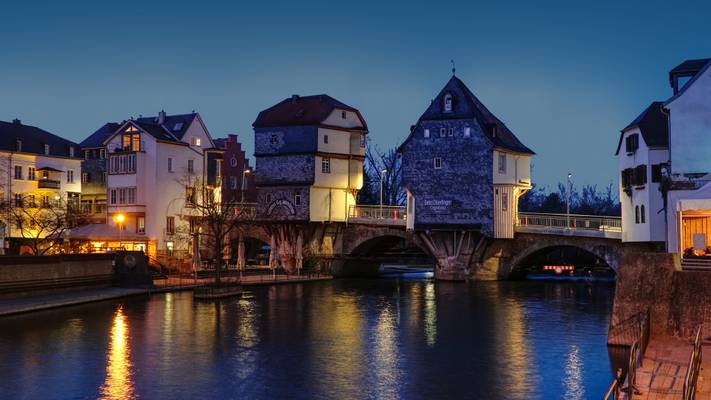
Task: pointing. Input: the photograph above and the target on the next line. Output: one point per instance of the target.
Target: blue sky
(564, 76)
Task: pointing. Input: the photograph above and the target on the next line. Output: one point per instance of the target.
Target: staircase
(696, 264)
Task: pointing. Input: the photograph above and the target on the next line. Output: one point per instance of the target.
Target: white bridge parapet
(570, 225)
(377, 215)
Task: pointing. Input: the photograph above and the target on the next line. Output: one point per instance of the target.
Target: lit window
(448, 103)
(437, 163)
(196, 141)
(326, 165)
(502, 163)
(427, 133)
(31, 173)
(218, 169)
(141, 225)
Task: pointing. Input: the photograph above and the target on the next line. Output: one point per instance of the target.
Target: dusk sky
(565, 77)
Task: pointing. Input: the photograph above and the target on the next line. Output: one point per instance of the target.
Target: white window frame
(502, 164)
(467, 132)
(450, 132)
(325, 165)
(437, 163)
(427, 133)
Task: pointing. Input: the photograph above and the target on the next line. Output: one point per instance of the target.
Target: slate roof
(34, 139)
(466, 105)
(97, 138)
(150, 124)
(653, 125)
(301, 110)
(689, 67)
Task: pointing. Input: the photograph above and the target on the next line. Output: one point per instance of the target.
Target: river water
(341, 339)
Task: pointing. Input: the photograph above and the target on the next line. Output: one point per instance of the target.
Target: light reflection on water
(345, 339)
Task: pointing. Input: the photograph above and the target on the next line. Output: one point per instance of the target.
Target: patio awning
(50, 169)
(104, 232)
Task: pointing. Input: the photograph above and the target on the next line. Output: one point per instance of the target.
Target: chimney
(17, 121)
(294, 98)
(232, 138)
(161, 117)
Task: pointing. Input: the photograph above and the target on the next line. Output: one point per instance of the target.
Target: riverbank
(23, 305)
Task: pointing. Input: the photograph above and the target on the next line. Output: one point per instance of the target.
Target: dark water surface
(342, 339)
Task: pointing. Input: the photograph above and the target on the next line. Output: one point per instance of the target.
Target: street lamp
(119, 218)
(567, 202)
(382, 177)
(244, 182)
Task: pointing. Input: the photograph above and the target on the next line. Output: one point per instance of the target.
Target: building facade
(309, 159)
(155, 165)
(642, 152)
(463, 168)
(38, 169)
(237, 177)
(94, 174)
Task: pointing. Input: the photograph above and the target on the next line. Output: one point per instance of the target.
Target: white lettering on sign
(438, 205)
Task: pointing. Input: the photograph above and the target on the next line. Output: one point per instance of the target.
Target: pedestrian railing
(576, 222)
(613, 392)
(377, 215)
(692, 372)
(636, 330)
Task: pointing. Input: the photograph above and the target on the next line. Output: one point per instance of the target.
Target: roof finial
(453, 68)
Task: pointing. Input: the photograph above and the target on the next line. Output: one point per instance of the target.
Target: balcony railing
(377, 215)
(593, 224)
(48, 184)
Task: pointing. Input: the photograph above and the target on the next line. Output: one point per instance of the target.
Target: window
(325, 139)
(170, 164)
(86, 154)
(46, 149)
(18, 144)
(122, 195)
(189, 196)
(297, 199)
(141, 225)
(427, 133)
(218, 169)
(195, 141)
(31, 200)
(437, 163)
(84, 177)
(170, 226)
(45, 201)
(18, 200)
(70, 176)
(343, 114)
(362, 141)
(233, 161)
(447, 103)
(71, 151)
(641, 213)
(190, 166)
(45, 175)
(103, 177)
(443, 132)
(657, 173)
(112, 197)
(273, 139)
(504, 201)
(636, 214)
(632, 143)
(102, 153)
(326, 165)
(178, 126)
(132, 195)
(502, 163)
(122, 164)
(639, 175)
(31, 173)
(233, 182)
(18, 172)
(467, 132)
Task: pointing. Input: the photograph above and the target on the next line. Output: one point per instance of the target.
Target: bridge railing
(571, 221)
(370, 214)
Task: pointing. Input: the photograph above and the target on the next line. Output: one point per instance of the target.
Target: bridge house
(463, 168)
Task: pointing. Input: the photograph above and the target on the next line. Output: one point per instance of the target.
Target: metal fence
(636, 329)
(692, 372)
(571, 221)
(380, 215)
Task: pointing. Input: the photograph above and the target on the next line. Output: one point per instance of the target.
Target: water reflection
(574, 388)
(386, 354)
(430, 315)
(119, 370)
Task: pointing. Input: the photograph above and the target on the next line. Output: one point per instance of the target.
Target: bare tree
(42, 222)
(385, 165)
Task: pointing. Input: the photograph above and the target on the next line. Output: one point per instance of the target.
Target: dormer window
(131, 139)
(178, 126)
(195, 141)
(18, 145)
(447, 103)
(632, 143)
(71, 151)
(46, 149)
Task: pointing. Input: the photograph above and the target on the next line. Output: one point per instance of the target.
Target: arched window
(447, 103)
(636, 214)
(641, 213)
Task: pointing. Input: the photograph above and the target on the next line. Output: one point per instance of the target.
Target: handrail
(634, 361)
(385, 214)
(613, 392)
(692, 372)
(570, 221)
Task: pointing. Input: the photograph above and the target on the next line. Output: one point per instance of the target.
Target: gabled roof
(465, 105)
(301, 110)
(653, 125)
(33, 140)
(97, 138)
(695, 68)
(171, 122)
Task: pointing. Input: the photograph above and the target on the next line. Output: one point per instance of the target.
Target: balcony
(48, 184)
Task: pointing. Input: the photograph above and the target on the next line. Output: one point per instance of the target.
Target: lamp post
(382, 177)
(567, 203)
(244, 183)
(119, 218)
